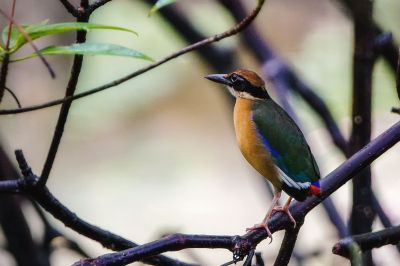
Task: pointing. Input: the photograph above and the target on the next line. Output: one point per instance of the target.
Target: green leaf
(90, 49)
(160, 4)
(15, 33)
(38, 31)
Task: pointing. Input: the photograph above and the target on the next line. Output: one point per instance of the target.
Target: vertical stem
(62, 118)
(3, 75)
(288, 243)
(362, 214)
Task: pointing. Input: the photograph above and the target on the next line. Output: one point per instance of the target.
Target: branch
(63, 115)
(390, 50)
(70, 8)
(234, 30)
(3, 75)
(50, 233)
(28, 184)
(14, 96)
(362, 213)
(14, 225)
(241, 245)
(382, 215)
(96, 5)
(287, 246)
(367, 241)
(398, 75)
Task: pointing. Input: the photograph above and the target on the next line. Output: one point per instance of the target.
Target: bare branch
(3, 75)
(62, 117)
(287, 246)
(398, 75)
(96, 5)
(362, 214)
(367, 241)
(14, 96)
(70, 8)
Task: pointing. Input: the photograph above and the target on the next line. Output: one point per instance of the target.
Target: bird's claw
(285, 210)
(261, 225)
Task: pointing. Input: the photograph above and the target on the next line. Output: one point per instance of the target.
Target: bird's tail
(315, 189)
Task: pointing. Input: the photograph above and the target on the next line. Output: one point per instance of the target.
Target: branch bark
(287, 246)
(362, 214)
(367, 241)
(63, 115)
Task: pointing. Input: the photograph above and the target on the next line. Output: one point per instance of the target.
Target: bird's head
(242, 83)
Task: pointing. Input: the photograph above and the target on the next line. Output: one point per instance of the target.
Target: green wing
(284, 140)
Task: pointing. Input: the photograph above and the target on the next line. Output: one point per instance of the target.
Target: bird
(271, 142)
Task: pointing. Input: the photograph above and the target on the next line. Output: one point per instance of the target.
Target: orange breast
(250, 143)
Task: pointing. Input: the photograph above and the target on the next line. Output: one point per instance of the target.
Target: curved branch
(234, 30)
(241, 245)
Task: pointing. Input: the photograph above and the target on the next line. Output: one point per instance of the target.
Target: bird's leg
(285, 209)
(264, 223)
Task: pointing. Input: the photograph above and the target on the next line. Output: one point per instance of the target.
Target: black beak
(219, 78)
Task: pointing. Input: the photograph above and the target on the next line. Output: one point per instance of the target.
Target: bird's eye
(234, 78)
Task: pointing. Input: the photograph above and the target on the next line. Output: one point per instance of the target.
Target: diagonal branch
(234, 30)
(241, 245)
(70, 8)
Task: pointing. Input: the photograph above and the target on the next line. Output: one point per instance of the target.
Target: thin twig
(234, 30)
(10, 23)
(3, 75)
(398, 75)
(63, 115)
(382, 216)
(14, 96)
(30, 41)
(70, 8)
(51, 233)
(241, 245)
(96, 5)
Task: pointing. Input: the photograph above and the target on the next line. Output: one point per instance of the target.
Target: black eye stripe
(242, 85)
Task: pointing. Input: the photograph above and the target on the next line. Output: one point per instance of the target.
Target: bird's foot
(263, 225)
(285, 209)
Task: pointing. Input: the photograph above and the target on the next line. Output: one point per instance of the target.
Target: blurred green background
(157, 154)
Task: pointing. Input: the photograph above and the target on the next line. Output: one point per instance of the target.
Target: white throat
(242, 94)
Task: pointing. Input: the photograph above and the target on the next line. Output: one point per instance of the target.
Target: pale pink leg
(264, 223)
(285, 209)
(271, 210)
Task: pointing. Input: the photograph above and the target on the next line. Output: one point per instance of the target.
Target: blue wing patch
(277, 158)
